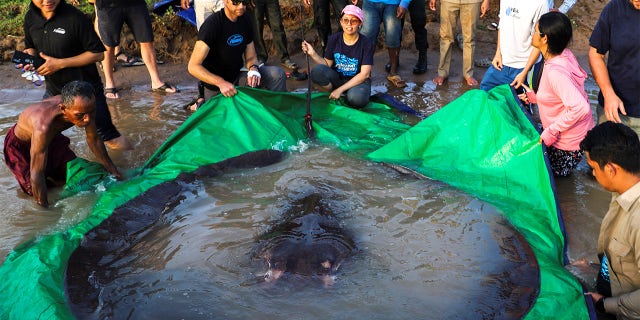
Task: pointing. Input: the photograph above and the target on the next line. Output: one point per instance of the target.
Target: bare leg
(148, 53)
(107, 68)
(394, 57)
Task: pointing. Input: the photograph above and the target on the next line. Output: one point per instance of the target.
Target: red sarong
(17, 156)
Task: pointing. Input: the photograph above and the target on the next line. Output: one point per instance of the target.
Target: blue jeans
(357, 96)
(376, 13)
(494, 77)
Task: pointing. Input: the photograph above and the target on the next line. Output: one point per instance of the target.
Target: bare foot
(472, 81)
(119, 143)
(439, 80)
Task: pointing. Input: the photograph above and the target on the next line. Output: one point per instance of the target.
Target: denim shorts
(376, 13)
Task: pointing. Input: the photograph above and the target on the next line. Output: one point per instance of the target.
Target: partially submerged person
(612, 151)
(37, 152)
(223, 39)
(347, 62)
(563, 104)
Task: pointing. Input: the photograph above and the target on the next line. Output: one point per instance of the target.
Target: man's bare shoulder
(41, 117)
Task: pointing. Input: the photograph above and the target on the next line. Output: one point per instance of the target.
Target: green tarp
(481, 143)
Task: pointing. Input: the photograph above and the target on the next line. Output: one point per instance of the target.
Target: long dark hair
(557, 27)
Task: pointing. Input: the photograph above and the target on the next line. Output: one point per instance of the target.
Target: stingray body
(308, 242)
(112, 239)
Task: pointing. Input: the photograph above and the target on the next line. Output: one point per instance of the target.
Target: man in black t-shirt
(216, 60)
(64, 37)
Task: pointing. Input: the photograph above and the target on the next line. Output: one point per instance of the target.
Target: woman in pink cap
(346, 65)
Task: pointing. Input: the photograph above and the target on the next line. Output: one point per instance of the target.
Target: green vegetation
(13, 12)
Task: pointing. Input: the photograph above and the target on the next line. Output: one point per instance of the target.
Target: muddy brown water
(423, 245)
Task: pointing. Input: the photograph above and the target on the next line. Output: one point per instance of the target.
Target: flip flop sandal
(113, 91)
(397, 81)
(163, 88)
(482, 63)
(194, 104)
(128, 61)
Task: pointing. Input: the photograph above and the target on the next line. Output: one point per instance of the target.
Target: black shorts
(111, 20)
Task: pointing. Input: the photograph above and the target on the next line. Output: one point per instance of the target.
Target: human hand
(484, 7)
(595, 296)
(519, 80)
(50, 65)
(400, 12)
(185, 4)
(524, 98)
(306, 3)
(228, 89)
(335, 94)
(613, 106)
(497, 61)
(116, 174)
(307, 48)
(253, 78)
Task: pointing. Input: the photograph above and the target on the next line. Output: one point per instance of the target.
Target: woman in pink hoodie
(564, 108)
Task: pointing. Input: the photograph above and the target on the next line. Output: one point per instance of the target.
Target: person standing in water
(563, 104)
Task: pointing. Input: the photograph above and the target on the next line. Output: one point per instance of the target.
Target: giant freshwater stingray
(307, 241)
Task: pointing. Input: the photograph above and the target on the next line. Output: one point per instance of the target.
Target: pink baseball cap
(354, 11)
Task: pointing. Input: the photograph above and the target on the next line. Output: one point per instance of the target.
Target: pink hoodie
(562, 102)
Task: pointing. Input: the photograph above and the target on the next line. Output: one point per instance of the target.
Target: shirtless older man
(37, 152)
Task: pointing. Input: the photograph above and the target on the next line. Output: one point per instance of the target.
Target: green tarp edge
(31, 278)
(483, 144)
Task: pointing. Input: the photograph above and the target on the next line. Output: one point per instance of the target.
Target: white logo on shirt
(59, 30)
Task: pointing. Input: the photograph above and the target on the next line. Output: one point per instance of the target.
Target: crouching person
(223, 39)
(37, 152)
(347, 62)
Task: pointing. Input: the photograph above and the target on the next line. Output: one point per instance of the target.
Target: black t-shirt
(617, 33)
(67, 33)
(227, 41)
